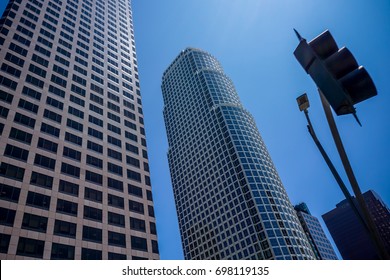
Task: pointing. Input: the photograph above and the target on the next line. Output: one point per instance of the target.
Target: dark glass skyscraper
(229, 198)
(349, 235)
(74, 174)
(320, 244)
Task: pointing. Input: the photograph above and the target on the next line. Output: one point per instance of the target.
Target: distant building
(320, 244)
(229, 198)
(349, 235)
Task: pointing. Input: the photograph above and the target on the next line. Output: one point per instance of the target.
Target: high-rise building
(229, 198)
(74, 175)
(320, 244)
(350, 237)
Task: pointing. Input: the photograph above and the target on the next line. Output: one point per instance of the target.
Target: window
(95, 147)
(78, 90)
(9, 193)
(66, 207)
(4, 244)
(95, 120)
(138, 243)
(116, 239)
(40, 60)
(75, 125)
(10, 70)
(132, 148)
(132, 161)
(92, 213)
(73, 139)
(114, 141)
(136, 207)
(30, 247)
(132, 175)
(57, 91)
(116, 201)
(115, 184)
(77, 100)
(116, 256)
(150, 211)
(37, 70)
(44, 161)
(134, 190)
(63, 228)
(92, 234)
(41, 180)
(137, 224)
(16, 152)
(95, 133)
(52, 116)
(49, 129)
(93, 177)
(114, 128)
(14, 59)
(7, 216)
(34, 222)
(153, 229)
(11, 171)
(113, 168)
(70, 170)
(54, 102)
(68, 188)
(61, 251)
(131, 136)
(93, 195)
(114, 154)
(116, 219)
(38, 200)
(47, 145)
(94, 161)
(155, 247)
(31, 93)
(70, 153)
(90, 254)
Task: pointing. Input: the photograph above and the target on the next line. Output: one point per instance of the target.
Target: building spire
(300, 38)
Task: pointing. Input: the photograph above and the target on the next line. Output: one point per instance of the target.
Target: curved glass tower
(230, 201)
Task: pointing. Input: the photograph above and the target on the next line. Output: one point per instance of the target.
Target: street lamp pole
(342, 83)
(303, 103)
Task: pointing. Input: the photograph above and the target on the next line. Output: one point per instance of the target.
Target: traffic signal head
(336, 73)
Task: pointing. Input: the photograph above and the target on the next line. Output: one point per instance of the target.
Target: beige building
(74, 174)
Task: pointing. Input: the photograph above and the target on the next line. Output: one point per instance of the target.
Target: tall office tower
(349, 235)
(229, 198)
(320, 244)
(74, 174)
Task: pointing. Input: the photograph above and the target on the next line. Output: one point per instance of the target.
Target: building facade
(229, 198)
(320, 244)
(74, 174)
(350, 237)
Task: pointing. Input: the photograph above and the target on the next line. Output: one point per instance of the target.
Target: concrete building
(320, 244)
(229, 198)
(74, 174)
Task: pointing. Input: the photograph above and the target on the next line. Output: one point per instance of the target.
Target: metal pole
(334, 172)
(372, 229)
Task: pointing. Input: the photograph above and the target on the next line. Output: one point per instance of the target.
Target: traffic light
(335, 71)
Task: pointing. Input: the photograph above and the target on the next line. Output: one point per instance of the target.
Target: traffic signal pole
(370, 225)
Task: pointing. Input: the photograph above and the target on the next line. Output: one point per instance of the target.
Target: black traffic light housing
(336, 73)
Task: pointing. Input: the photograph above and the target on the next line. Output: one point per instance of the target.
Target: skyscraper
(74, 175)
(320, 244)
(350, 237)
(229, 198)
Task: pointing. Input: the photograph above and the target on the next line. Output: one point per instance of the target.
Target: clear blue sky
(254, 41)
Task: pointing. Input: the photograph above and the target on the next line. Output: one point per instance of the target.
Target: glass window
(30, 247)
(34, 222)
(41, 180)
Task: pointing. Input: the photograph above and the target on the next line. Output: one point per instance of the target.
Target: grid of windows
(69, 141)
(230, 199)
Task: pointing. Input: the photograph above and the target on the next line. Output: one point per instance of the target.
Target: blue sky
(254, 41)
